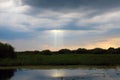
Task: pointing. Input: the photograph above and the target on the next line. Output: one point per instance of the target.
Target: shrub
(6, 50)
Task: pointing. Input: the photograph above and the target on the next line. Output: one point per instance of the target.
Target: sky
(58, 24)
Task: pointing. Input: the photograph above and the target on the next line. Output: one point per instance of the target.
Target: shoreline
(60, 66)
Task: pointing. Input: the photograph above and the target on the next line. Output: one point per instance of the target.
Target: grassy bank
(62, 59)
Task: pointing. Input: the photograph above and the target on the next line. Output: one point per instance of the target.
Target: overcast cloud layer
(56, 24)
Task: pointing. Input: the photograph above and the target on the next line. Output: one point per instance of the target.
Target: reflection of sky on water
(68, 74)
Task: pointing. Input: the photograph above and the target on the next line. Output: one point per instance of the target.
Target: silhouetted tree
(111, 51)
(64, 51)
(81, 51)
(46, 52)
(36, 52)
(118, 50)
(98, 51)
(6, 50)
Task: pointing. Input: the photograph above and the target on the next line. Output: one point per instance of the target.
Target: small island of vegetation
(81, 56)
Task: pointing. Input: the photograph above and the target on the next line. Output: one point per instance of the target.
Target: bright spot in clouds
(56, 31)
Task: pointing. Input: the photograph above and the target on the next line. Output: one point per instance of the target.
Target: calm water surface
(61, 74)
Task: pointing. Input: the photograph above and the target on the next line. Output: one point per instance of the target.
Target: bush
(98, 51)
(6, 51)
(46, 52)
(64, 51)
(81, 51)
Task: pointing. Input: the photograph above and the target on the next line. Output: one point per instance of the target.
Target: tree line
(77, 51)
(6, 50)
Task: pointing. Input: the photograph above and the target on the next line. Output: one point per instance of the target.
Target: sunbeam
(58, 37)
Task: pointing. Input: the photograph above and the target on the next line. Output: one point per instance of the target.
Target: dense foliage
(6, 51)
(78, 51)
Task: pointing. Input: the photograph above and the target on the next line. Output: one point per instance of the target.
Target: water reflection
(61, 74)
(6, 74)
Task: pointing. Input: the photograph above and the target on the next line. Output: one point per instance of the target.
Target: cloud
(73, 3)
(82, 21)
(68, 6)
(47, 19)
(12, 6)
(53, 3)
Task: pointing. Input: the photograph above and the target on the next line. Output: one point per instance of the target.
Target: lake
(79, 73)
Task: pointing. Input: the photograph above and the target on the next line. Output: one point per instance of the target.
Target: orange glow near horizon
(111, 42)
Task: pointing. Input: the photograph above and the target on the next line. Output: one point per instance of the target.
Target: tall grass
(63, 59)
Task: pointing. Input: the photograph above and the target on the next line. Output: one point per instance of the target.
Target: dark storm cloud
(53, 3)
(91, 7)
(63, 4)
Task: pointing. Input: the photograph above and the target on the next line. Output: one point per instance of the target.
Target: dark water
(61, 74)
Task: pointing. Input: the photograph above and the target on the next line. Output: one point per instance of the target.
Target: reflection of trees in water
(6, 74)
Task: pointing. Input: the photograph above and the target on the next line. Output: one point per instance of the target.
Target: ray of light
(58, 37)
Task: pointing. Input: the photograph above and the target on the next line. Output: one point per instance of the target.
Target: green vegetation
(62, 59)
(80, 56)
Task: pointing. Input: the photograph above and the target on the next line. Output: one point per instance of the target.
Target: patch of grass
(62, 59)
